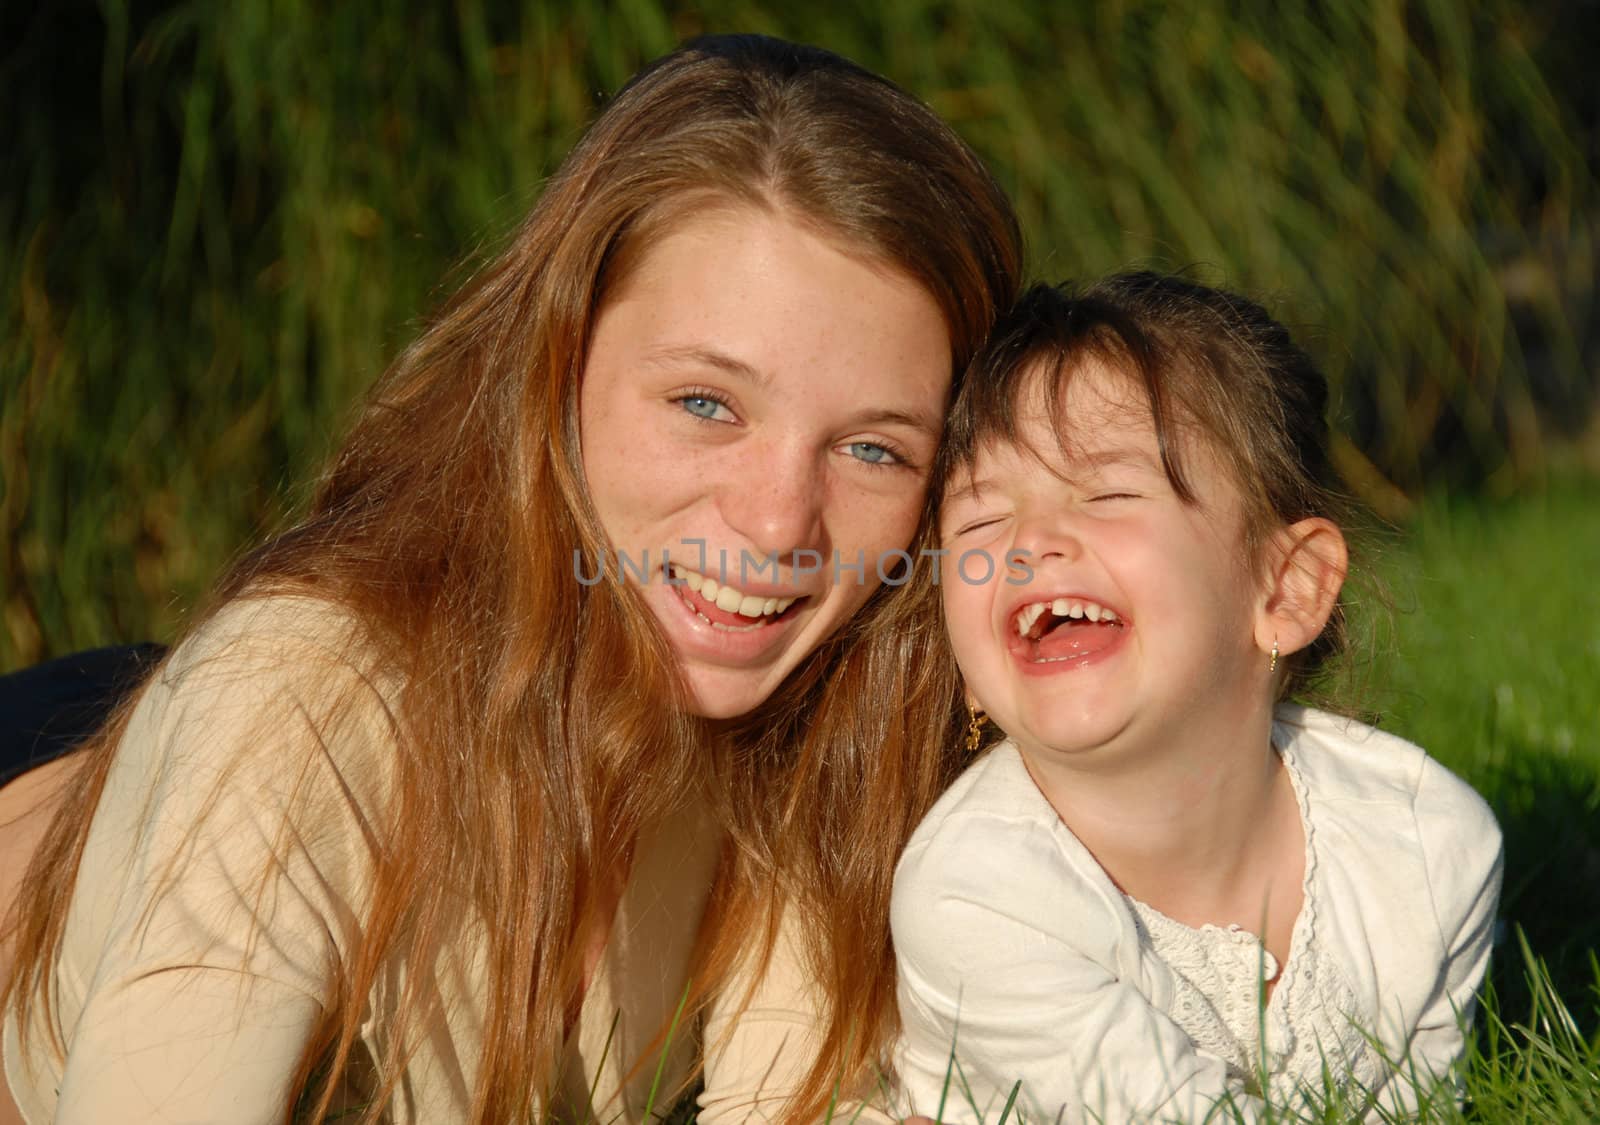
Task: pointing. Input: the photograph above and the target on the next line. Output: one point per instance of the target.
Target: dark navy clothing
(50, 708)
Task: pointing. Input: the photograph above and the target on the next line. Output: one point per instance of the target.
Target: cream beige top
(757, 1054)
(225, 871)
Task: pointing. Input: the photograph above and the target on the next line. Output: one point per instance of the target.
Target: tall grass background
(218, 222)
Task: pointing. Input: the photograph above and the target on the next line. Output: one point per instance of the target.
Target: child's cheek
(968, 609)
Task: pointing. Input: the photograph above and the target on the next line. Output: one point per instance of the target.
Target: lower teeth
(728, 628)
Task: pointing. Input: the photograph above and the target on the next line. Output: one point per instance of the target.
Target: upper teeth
(728, 598)
(1062, 607)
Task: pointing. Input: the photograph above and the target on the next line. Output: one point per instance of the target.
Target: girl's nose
(1047, 534)
(776, 503)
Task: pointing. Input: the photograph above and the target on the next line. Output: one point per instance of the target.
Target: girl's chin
(1068, 732)
(725, 693)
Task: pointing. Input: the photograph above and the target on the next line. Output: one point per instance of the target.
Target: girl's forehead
(1086, 394)
(1055, 453)
(1066, 421)
(1082, 423)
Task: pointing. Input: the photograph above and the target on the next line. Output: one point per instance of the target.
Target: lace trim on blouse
(1309, 1035)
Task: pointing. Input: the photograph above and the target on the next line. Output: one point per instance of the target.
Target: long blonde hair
(447, 523)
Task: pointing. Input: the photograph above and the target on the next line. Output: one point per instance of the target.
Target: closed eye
(976, 525)
(1114, 496)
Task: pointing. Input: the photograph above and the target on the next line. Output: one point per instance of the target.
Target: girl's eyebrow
(969, 491)
(692, 356)
(1129, 455)
(929, 425)
(1090, 461)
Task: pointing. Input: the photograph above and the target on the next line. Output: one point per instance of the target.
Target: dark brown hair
(446, 525)
(1211, 364)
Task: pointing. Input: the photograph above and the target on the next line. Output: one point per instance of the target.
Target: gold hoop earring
(975, 720)
(1273, 666)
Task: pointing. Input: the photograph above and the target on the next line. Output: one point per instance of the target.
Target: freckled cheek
(612, 476)
(639, 479)
(875, 523)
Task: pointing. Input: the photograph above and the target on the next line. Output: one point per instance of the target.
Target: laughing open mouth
(1063, 629)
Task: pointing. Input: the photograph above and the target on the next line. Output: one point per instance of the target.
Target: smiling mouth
(726, 607)
(1064, 629)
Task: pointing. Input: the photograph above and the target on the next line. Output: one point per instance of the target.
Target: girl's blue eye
(870, 452)
(700, 406)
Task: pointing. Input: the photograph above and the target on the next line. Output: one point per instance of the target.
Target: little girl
(1167, 890)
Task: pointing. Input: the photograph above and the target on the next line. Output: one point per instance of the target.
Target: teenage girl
(416, 826)
(1168, 887)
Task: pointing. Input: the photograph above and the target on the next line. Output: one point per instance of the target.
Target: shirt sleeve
(221, 882)
(1462, 849)
(757, 1054)
(1009, 973)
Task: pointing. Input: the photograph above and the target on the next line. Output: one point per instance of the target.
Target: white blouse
(1015, 947)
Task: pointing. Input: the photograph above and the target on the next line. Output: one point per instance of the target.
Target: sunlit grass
(1492, 666)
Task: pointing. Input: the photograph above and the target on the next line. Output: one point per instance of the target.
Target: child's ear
(1306, 565)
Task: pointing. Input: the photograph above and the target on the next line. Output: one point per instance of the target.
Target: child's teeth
(1061, 607)
(1027, 617)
